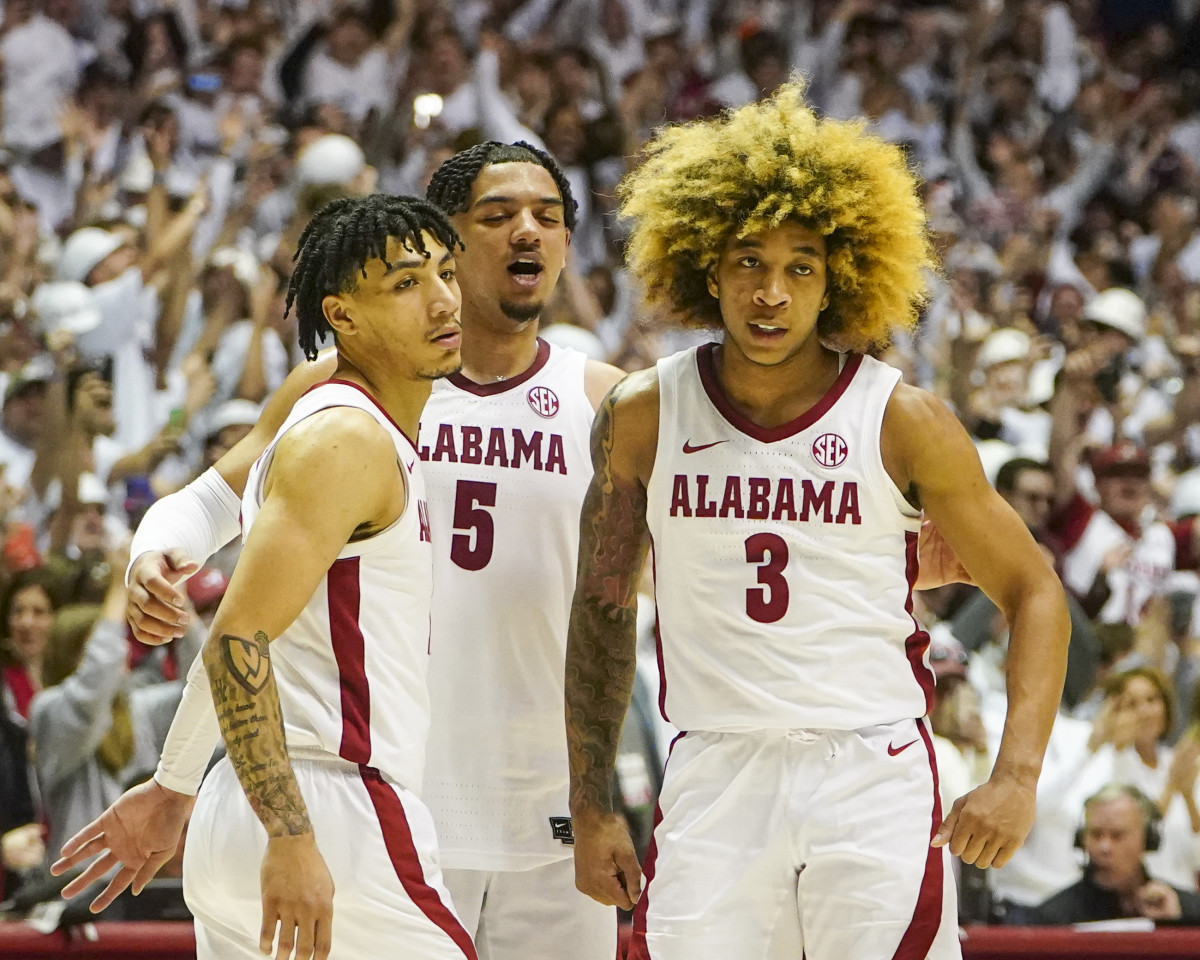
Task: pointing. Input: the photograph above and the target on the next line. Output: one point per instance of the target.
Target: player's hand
(140, 832)
(989, 824)
(1157, 901)
(937, 563)
(606, 865)
(297, 897)
(157, 608)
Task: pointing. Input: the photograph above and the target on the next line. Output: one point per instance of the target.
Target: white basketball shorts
(778, 843)
(379, 844)
(532, 914)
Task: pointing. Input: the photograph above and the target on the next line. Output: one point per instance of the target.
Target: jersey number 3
(769, 602)
(473, 549)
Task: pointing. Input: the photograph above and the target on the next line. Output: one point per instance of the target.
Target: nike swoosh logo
(688, 448)
(892, 751)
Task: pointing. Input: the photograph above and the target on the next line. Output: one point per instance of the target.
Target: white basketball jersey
(351, 669)
(784, 559)
(508, 464)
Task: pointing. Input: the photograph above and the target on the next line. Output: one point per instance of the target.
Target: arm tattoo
(247, 703)
(602, 638)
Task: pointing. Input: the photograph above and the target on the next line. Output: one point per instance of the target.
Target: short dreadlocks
(339, 241)
(450, 187)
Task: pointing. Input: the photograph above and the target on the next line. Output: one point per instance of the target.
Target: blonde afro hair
(753, 168)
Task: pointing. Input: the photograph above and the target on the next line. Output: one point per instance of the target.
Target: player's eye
(406, 283)
(447, 275)
(804, 269)
(750, 262)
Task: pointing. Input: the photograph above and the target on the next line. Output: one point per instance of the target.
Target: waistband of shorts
(317, 755)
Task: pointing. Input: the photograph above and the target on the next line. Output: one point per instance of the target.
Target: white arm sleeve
(199, 519)
(193, 736)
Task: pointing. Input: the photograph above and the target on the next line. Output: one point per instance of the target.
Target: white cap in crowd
(65, 305)
(232, 413)
(1002, 346)
(83, 252)
(330, 159)
(1119, 309)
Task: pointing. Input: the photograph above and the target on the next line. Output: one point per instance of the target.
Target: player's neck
(490, 354)
(402, 400)
(773, 395)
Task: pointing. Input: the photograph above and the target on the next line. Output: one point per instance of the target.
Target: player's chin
(436, 370)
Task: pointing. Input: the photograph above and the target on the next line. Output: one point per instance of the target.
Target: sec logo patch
(830, 450)
(543, 402)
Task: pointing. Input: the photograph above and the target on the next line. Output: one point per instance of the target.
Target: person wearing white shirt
(41, 67)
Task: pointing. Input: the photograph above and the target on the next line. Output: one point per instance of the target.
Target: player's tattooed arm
(247, 703)
(602, 637)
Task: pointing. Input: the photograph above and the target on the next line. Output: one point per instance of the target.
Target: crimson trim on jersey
(658, 645)
(342, 584)
(500, 386)
(917, 642)
(397, 838)
(927, 914)
(366, 393)
(705, 363)
(639, 949)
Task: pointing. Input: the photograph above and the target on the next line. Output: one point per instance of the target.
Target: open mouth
(525, 271)
(449, 338)
(762, 329)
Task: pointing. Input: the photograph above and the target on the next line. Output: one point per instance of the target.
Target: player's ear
(710, 278)
(334, 308)
(824, 301)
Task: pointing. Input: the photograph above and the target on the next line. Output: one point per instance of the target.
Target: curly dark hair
(341, 238)
(450, 186)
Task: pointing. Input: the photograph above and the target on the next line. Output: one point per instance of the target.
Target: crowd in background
(158, 159)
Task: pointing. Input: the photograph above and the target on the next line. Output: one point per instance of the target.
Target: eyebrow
(750, 244)
(500, 198)
(416, 264)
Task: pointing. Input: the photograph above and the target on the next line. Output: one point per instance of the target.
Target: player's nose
(772, 292)
(525, 230)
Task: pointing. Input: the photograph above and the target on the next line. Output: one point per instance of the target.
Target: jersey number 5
(767, 603)
(473, 549)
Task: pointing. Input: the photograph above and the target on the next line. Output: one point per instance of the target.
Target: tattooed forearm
(247, 703)
(602, 637)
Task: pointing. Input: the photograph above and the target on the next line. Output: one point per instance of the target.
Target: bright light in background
(425, 108)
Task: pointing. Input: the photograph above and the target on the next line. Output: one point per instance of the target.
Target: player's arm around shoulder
(602, 636)
(598, 379)
(234, 466)
(932, 460)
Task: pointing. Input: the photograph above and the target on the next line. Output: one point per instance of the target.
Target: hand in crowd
(1116, 724)
(1158, 901)
(23, 848)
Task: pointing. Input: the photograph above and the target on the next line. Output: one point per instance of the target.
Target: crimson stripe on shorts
(348, 649)
(927, 914)
(397, 837)
(638, 947)
(918, 641)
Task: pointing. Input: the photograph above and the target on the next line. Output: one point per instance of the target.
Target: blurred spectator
(92, 737)
(1120, 827)
(26, 615)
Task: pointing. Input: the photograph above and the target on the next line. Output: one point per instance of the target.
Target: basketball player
(317, 658)
(780, 477)
(505, 445)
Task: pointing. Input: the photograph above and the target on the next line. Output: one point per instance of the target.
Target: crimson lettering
(785, 501)
(445, 444)
(849, 505)
(472, 445)
(760, 498)
(505, 448)
(680, 505)
(731, 503)
(816, 500)
(497, 452)
(704, 507)
(832, 501)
